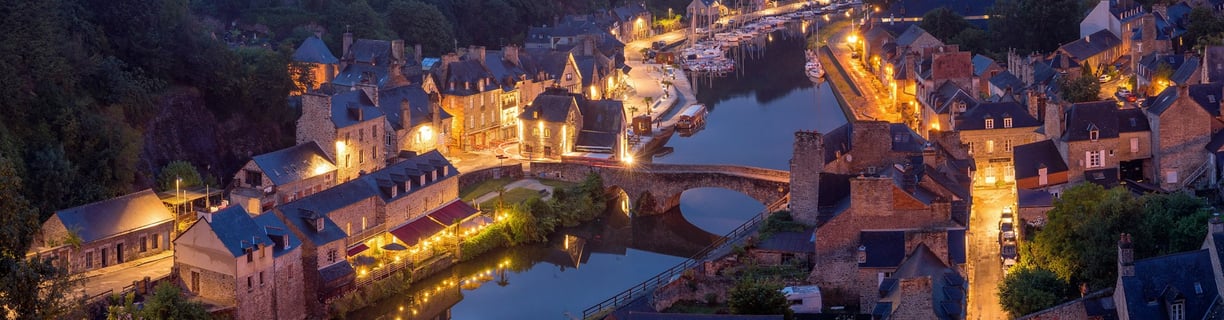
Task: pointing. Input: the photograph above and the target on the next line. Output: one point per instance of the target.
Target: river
(753, 116)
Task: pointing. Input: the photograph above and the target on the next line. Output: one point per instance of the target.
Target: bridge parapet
(661, 185)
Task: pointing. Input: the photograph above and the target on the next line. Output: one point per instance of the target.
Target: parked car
(1104, 78)
(1008, 254)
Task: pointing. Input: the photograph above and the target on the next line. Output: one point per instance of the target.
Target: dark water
(752, 119)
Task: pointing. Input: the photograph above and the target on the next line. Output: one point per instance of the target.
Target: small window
(1134, 145)
(331, 255)
(1043, 177)
(156, 240)
(360, 135)
(1007, 122)
(250, 255)
(361, 156)
(261, 282)
(989, 146)
(1094, 134)
(144, 243)
(89, 259)
(547, 133)
(989, 123)
(249, 284)
(1177, 311)
(1095, 159)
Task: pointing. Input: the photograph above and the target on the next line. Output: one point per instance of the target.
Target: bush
(488, 239)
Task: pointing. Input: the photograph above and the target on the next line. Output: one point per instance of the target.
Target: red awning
(427, 226)
(354, 250)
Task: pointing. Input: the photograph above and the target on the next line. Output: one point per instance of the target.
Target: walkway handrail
(624, 297)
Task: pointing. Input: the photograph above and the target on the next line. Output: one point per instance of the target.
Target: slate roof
(981, 63)
(800, 242)
(237, 230)
(1062, 62)
(947, 94)
(1033, 156)
(389, 101)
(1183, 73)
(602, 123)
(1107, 177)
(1151, 62)
(1034, 198)
(1082, 117)
(1208, 95)
(905, 139)
(1132, 120)
(369, 51)
(393, 175)
(354, 74)
(1217, 142)
(549, 107)
(948, 288)
(274, 227)
(639, 315)
(627, 12)
(910, 35)
(1163, 101)
(294, 163)
(1160, 281)
(975, 118)
(343, 102)
(1006, 80)
(1097, 42)
(336, 271)
(885, 249)
(313, 50)
(837, 141)
(110, 217)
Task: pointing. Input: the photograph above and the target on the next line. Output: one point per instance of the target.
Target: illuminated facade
(281, 176)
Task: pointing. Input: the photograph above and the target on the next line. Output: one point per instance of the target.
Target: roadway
(878, 105)
(117, 277)
(984, 265)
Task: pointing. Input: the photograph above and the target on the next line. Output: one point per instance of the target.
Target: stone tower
(805, 167)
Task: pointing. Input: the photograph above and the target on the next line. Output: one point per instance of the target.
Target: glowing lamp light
(339, 146)
(852, 38)
(426, 132)
(320, 169)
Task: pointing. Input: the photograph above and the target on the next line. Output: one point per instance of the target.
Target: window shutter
(1134, 142)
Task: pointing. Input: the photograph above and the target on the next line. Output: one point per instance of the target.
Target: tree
(750, 296)
(359, 18)
(943, 23)
(1034, 25)
(178, 175)
(1082, 89)
(423, 23)
(37, 287)
(1203, 23)
(168, 302)
(1027, 290)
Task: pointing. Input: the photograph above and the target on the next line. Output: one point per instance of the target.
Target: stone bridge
(655, 188)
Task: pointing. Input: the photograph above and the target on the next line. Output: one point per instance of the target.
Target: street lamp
(178, 181)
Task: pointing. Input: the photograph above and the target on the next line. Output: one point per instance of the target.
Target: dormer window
(318, 222)
(1007, 122)
(1094, 134)
(989, 123)
(1177, 311)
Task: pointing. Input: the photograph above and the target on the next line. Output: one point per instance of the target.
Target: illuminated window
(1095, 159)
(1007, 122)
(989, 123)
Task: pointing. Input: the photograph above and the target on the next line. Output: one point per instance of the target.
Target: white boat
(813, 69)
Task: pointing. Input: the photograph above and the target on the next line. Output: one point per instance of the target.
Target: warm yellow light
(339, 146)
(628, 159)
(592, 91)
(426, 133)
(320, 169)
(852, 38)
(935, 126)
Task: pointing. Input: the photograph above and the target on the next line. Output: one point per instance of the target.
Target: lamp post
(177, 197)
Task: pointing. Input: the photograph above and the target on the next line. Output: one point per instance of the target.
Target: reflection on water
(575, 269)
(754, 114)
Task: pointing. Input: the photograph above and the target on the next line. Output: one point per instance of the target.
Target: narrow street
(985, 267)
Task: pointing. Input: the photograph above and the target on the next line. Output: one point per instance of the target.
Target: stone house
(281, 176)
(253, 264)
(111, 232)
(313, 65)
(704, 13)
(1096, 51)
(916, 40)
(991, 130)
(943, 105)
(416, 120)
(550, 126)
(633, 22)
(923, 287)
(380, 63)
(326, 269)
(868, 219)
(784, 248)
(1181, 129)
(1089, 142)
(485, 90)
(1040, 167)
(1185, 70)
(1115, 17)
(984, 69)
(349, 126)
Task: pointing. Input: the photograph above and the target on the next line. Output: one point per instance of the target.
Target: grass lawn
(516, 195)
(483, 188)
(557, 183)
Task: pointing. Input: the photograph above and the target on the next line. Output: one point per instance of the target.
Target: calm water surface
(752, 120)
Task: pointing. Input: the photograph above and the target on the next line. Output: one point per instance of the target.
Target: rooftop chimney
(416, 53)
(405, 114)
(1126, 256)
(397, 52)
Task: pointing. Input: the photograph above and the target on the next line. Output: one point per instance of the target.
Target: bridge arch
(655, 188)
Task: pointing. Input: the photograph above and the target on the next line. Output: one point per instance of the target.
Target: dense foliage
(1079, 241)
(178, 175)
(534, 220)
(1027, 290)
(167, 302)
(750, 296)
(21, 276)
(1084, 88)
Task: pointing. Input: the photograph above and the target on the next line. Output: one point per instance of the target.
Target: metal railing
(637, 291)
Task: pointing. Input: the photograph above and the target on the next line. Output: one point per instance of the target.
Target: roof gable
(294, 163)
(1032, 157)
(235, 228)
(1161, 281)
(1084, 117)
(313, 50)
(1093, 44)
(550, 107)
(106, 218)
(975, 118)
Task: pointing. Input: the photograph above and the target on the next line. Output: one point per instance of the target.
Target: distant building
(923, 287)
(990, 130)
(253, 264)
(313, 65)
(704, 13)
(557, 124)
(349, 126)
(633, 22)
(111, 232)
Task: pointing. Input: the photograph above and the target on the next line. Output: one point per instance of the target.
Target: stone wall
(257, 300)
(1077, 160)
(916, 301)
(1182, 131)
(315, 124)
(290, 286)
(418, 202)
(359, 147)
(131, 247)
(512, 171)
(213, 286)
(665, 182)
(807, 162)
(694, 288)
